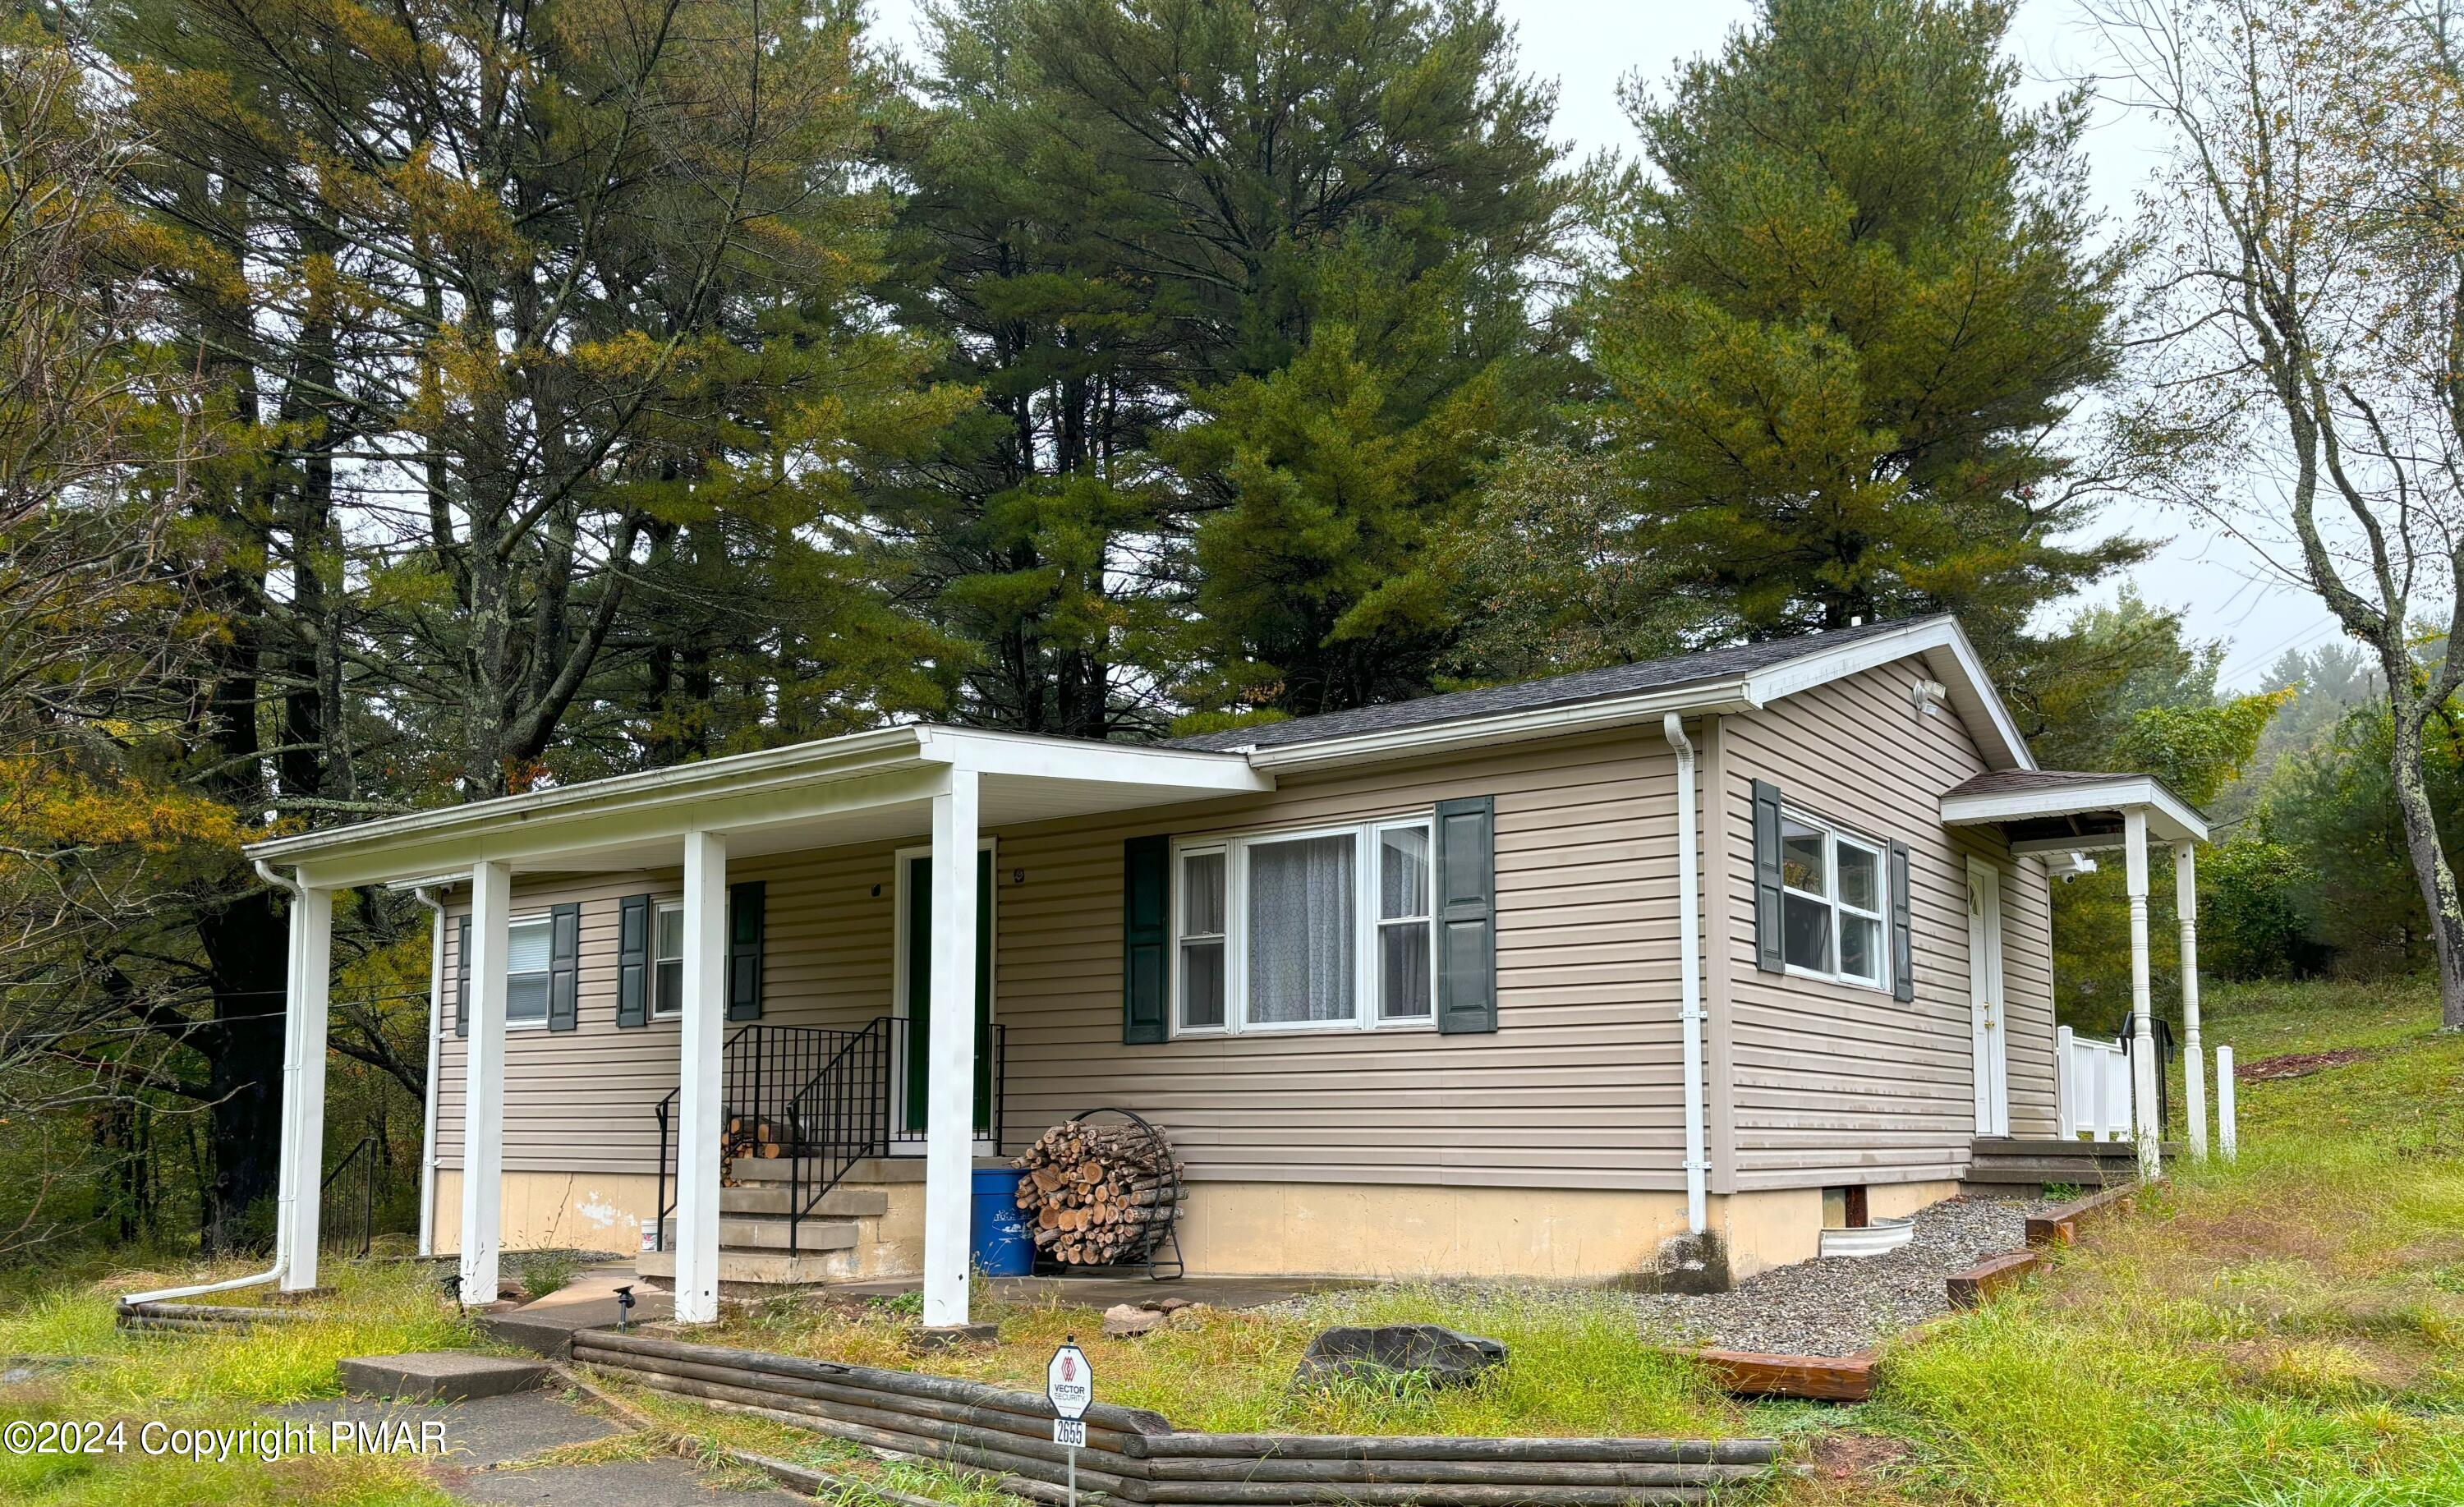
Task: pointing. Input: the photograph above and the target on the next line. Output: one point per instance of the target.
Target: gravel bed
(1839, 1305)
(1829, 1306)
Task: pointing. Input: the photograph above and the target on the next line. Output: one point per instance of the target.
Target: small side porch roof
(2069, 810)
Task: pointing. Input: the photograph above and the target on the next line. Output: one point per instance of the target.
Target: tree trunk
(2429, 865)
(246, 944)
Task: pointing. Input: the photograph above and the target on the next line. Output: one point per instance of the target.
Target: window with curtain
(667, 960)
(1308, 930)
(1830, 903)
(529, 944)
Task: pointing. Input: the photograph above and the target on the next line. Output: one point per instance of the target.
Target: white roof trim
(882, 751)
(1511, 727)
(1939, 640)
(2170, 818)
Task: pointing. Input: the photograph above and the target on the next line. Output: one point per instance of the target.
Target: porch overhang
(2062, 810)
(861, 787)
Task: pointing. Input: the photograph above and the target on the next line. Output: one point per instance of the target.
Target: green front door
(919, 991)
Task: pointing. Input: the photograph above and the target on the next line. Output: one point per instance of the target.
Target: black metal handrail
(825, 1099)
(358, 1195)
(2162, 1032)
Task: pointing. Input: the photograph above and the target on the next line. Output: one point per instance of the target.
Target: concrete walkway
(547, 1325)
(486, 1438)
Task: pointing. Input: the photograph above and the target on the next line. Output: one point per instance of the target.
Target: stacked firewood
(753, 1136)
(1098, 1194)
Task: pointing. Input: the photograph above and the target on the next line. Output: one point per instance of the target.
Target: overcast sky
(1588, 45)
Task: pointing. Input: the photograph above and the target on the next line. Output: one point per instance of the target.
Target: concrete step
(770, 1233)
(761, 1268)
(868, 1170)
(772, 1198)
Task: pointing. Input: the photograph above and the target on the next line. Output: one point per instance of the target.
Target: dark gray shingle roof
(1556, 691)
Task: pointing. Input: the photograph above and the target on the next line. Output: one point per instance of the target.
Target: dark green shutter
(1903, 959)
(462, 975)
(1146, 939)
(633, 961)
(1466, 915)
(744, 926)
(563, 968)
(1769, 955)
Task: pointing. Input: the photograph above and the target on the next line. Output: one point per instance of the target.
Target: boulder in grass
(1446, 1357)
(1123, 1321)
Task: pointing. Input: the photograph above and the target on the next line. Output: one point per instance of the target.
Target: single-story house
(1641, 973)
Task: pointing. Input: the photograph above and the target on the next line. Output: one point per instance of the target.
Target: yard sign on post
(1069, 1384)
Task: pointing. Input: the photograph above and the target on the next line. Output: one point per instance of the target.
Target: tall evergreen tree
(1244, 284)
(1859, 306)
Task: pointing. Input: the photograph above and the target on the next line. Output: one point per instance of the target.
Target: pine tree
(1858, 305)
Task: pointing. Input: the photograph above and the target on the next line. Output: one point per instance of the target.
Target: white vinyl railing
(2093, 1087)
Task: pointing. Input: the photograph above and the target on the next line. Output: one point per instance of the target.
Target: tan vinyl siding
(1578, 1087)
(1837, 1084)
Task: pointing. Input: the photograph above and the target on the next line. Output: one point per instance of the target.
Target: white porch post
(483, 1099)
(700, 1135)
(2143, 1055)
(950, 1103)
(2194, 1067)
(303, 1098)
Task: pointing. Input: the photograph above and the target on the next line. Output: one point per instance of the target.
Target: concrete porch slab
(444, 1376)
(546, 1326)
(1103, 1292)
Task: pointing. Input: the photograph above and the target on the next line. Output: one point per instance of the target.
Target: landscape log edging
(2062, 1224)
(202, 1318)
(1139, 1456)
(1972, 1287)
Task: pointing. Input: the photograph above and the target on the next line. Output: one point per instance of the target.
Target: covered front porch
(2063, 817)
(839, 1106)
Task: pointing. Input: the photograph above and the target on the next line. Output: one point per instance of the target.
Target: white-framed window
(1326, 929)
(1833, 888)
(667, 960)
(530, 943)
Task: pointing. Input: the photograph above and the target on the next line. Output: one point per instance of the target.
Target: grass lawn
(2285, 1332)
(2288, 1330)
(1575, 1367)
(216, 1380)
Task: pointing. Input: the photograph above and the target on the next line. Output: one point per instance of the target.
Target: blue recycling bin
(1002, 1245)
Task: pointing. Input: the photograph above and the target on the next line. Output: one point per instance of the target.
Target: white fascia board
(1938, 639)
(856, 754)
(1702, 698)
(1035, 757)
(2169, 816)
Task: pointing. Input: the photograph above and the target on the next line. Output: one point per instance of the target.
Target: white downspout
(435, 1051)
(1689, 987)
(284, 1172)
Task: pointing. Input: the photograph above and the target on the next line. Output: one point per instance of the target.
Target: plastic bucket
(1002, 1244)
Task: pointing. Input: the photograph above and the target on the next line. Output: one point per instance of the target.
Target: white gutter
(435, 1052)
(1696, 699)
(285, 1195)
(1689, 989)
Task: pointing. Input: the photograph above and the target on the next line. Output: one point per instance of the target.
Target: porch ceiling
(865, 787)
(2062, 810)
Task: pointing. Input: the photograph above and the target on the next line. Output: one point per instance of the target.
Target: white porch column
(2143, 1054)
(2194, 1067)
(303, 1173)
(483, 1099)
(949, 1101)
(699, 1136)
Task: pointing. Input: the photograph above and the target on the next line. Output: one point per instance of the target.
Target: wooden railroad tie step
(2062, 1224)
(1972, 1287)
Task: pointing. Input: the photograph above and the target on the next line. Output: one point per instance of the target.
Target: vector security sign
(1068, 1383)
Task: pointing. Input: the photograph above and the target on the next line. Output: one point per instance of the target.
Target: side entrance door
(915, 1072)
(1985, 995)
